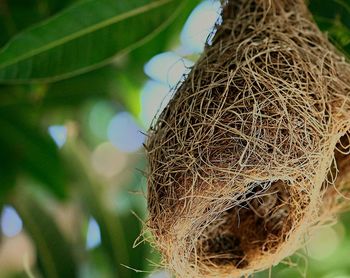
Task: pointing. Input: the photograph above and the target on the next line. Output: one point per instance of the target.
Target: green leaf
(83, 37)
(141, 253)
(72, 92)
(119, 230)
(333, 17)
(25, 148)
(54, 253)
(16, 15)
(112, 236)
(8, 170)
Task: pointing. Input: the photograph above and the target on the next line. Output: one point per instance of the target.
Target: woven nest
(243, 161)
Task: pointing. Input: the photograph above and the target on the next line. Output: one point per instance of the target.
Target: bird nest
(243, 160)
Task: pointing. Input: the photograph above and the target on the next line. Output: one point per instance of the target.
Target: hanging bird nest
(243, 160)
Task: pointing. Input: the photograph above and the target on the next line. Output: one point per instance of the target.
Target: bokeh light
(107, 160)
(337, 275)
(17, 254)
(160, 274)
(154, 97)
(93, 235)
(323, 243)
(168, 68)
(11, 223)
(199, 25)
(101, 114)
(124, 133)
(58, 134)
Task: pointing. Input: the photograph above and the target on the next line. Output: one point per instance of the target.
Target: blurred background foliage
(80, 82)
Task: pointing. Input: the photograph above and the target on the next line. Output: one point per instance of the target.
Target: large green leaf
(54, 253)
(83, 37)
(333, 16)
(16, 15)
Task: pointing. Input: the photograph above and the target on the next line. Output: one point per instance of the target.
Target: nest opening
(341, 154)
(340, 169)
(256, 225)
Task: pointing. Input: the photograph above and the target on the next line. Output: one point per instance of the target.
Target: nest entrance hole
(254, 226)
(340, 168)
(342, 155)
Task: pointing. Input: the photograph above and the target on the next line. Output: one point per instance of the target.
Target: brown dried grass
(243, 160)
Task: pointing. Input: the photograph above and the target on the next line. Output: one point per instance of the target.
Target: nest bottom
(257, 226)
(260, 224)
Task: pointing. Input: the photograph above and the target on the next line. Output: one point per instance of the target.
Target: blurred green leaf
(119, 230)
(17, 275)
(72, 92)
(104, 83)
(24, 148)
(54, 253)
(83, 37)
(139, 254)
(333, 16)
(8, 170)
(113, 239)
(112, 234)
(16, 15)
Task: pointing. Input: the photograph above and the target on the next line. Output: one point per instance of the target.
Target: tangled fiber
(244, 159)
